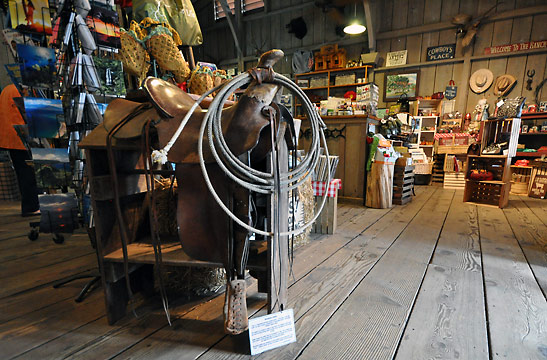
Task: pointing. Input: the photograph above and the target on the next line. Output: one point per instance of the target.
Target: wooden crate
(495, 193)
(520, 179)
(326, 222)
(403, 184)
(499, 165)
(438, 172)
(493, 131)
(454, 180)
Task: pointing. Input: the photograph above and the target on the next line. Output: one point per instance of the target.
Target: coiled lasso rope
(244, 175)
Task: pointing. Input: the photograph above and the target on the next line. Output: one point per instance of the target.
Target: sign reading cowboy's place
(441, 52)
(271, 331)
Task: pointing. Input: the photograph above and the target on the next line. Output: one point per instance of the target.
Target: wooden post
(278, 252)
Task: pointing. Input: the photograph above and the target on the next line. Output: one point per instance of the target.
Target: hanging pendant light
(355, 27)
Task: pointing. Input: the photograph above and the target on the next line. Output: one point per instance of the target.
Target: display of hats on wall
(504, 84)
(481, 80)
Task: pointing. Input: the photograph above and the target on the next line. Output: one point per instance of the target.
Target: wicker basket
(423, 168)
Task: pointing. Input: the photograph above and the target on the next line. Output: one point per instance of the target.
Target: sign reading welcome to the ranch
(441, 52)
(501, 49)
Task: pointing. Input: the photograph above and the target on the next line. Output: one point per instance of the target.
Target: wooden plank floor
(432, 279)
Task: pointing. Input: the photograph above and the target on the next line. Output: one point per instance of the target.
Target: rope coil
(235, 169)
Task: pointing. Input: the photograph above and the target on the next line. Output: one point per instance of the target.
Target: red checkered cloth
(319, 187)
(449, 135)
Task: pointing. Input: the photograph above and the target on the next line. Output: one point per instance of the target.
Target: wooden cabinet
(352, 150)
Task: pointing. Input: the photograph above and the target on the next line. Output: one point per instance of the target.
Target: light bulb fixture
(354, 27)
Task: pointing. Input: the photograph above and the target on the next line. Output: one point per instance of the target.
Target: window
(246, 5)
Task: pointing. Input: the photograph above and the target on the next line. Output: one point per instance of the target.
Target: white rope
(242, 174)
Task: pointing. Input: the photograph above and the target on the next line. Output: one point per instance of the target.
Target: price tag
(500, 103)
(271, 331)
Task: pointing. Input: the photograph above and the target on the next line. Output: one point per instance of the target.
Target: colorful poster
(51, 167)
(14, 37)
(38, 66)
(111, 77)
(104, 26)
(44, 117)
(30, 16)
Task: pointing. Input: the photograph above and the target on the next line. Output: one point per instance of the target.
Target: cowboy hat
(481, 80)
(504, 84)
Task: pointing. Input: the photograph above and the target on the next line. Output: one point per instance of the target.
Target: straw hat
(481, 80)
(504, 84)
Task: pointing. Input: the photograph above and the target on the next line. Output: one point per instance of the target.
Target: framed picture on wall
(399, 83)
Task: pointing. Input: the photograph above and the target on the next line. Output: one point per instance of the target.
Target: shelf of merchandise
(428, 134)
(360, 71)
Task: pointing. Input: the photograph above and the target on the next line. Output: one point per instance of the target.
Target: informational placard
(396, 58)
(271, 331)
(509, 48)
(441, 52)
(539, 187)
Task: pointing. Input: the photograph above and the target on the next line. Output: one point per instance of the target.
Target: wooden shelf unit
(352, 150)
(330, 76)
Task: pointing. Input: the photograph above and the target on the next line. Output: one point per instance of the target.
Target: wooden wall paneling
(449, 9)
(473, 7)
(432, 14)
(432, 11)
(415, 13)
(386, 16)
(312, 25)
(400, 21)
(265, 33)
(500, 36)
(482, 40)
(414, 42)
(296, 42)
(414, 47)
(505, 5)
(427, 73)
(460, 76)
(330, 29)
(443, 73)
(536, 62)
(275, 32)
(516, 65)
(318, 26)
(353, 186)
(473, 98)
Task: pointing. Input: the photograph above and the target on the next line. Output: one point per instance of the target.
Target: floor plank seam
(50, 283)
(486, 315)
(526, 202)
(91, 251)
(411, 308)
(174, 320)
(55, 338)
(307, 273)
(360, 281)
(525, 256)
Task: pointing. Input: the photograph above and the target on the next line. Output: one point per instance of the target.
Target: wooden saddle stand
(121, 174)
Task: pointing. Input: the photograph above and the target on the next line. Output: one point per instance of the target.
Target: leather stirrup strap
(156, 241)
